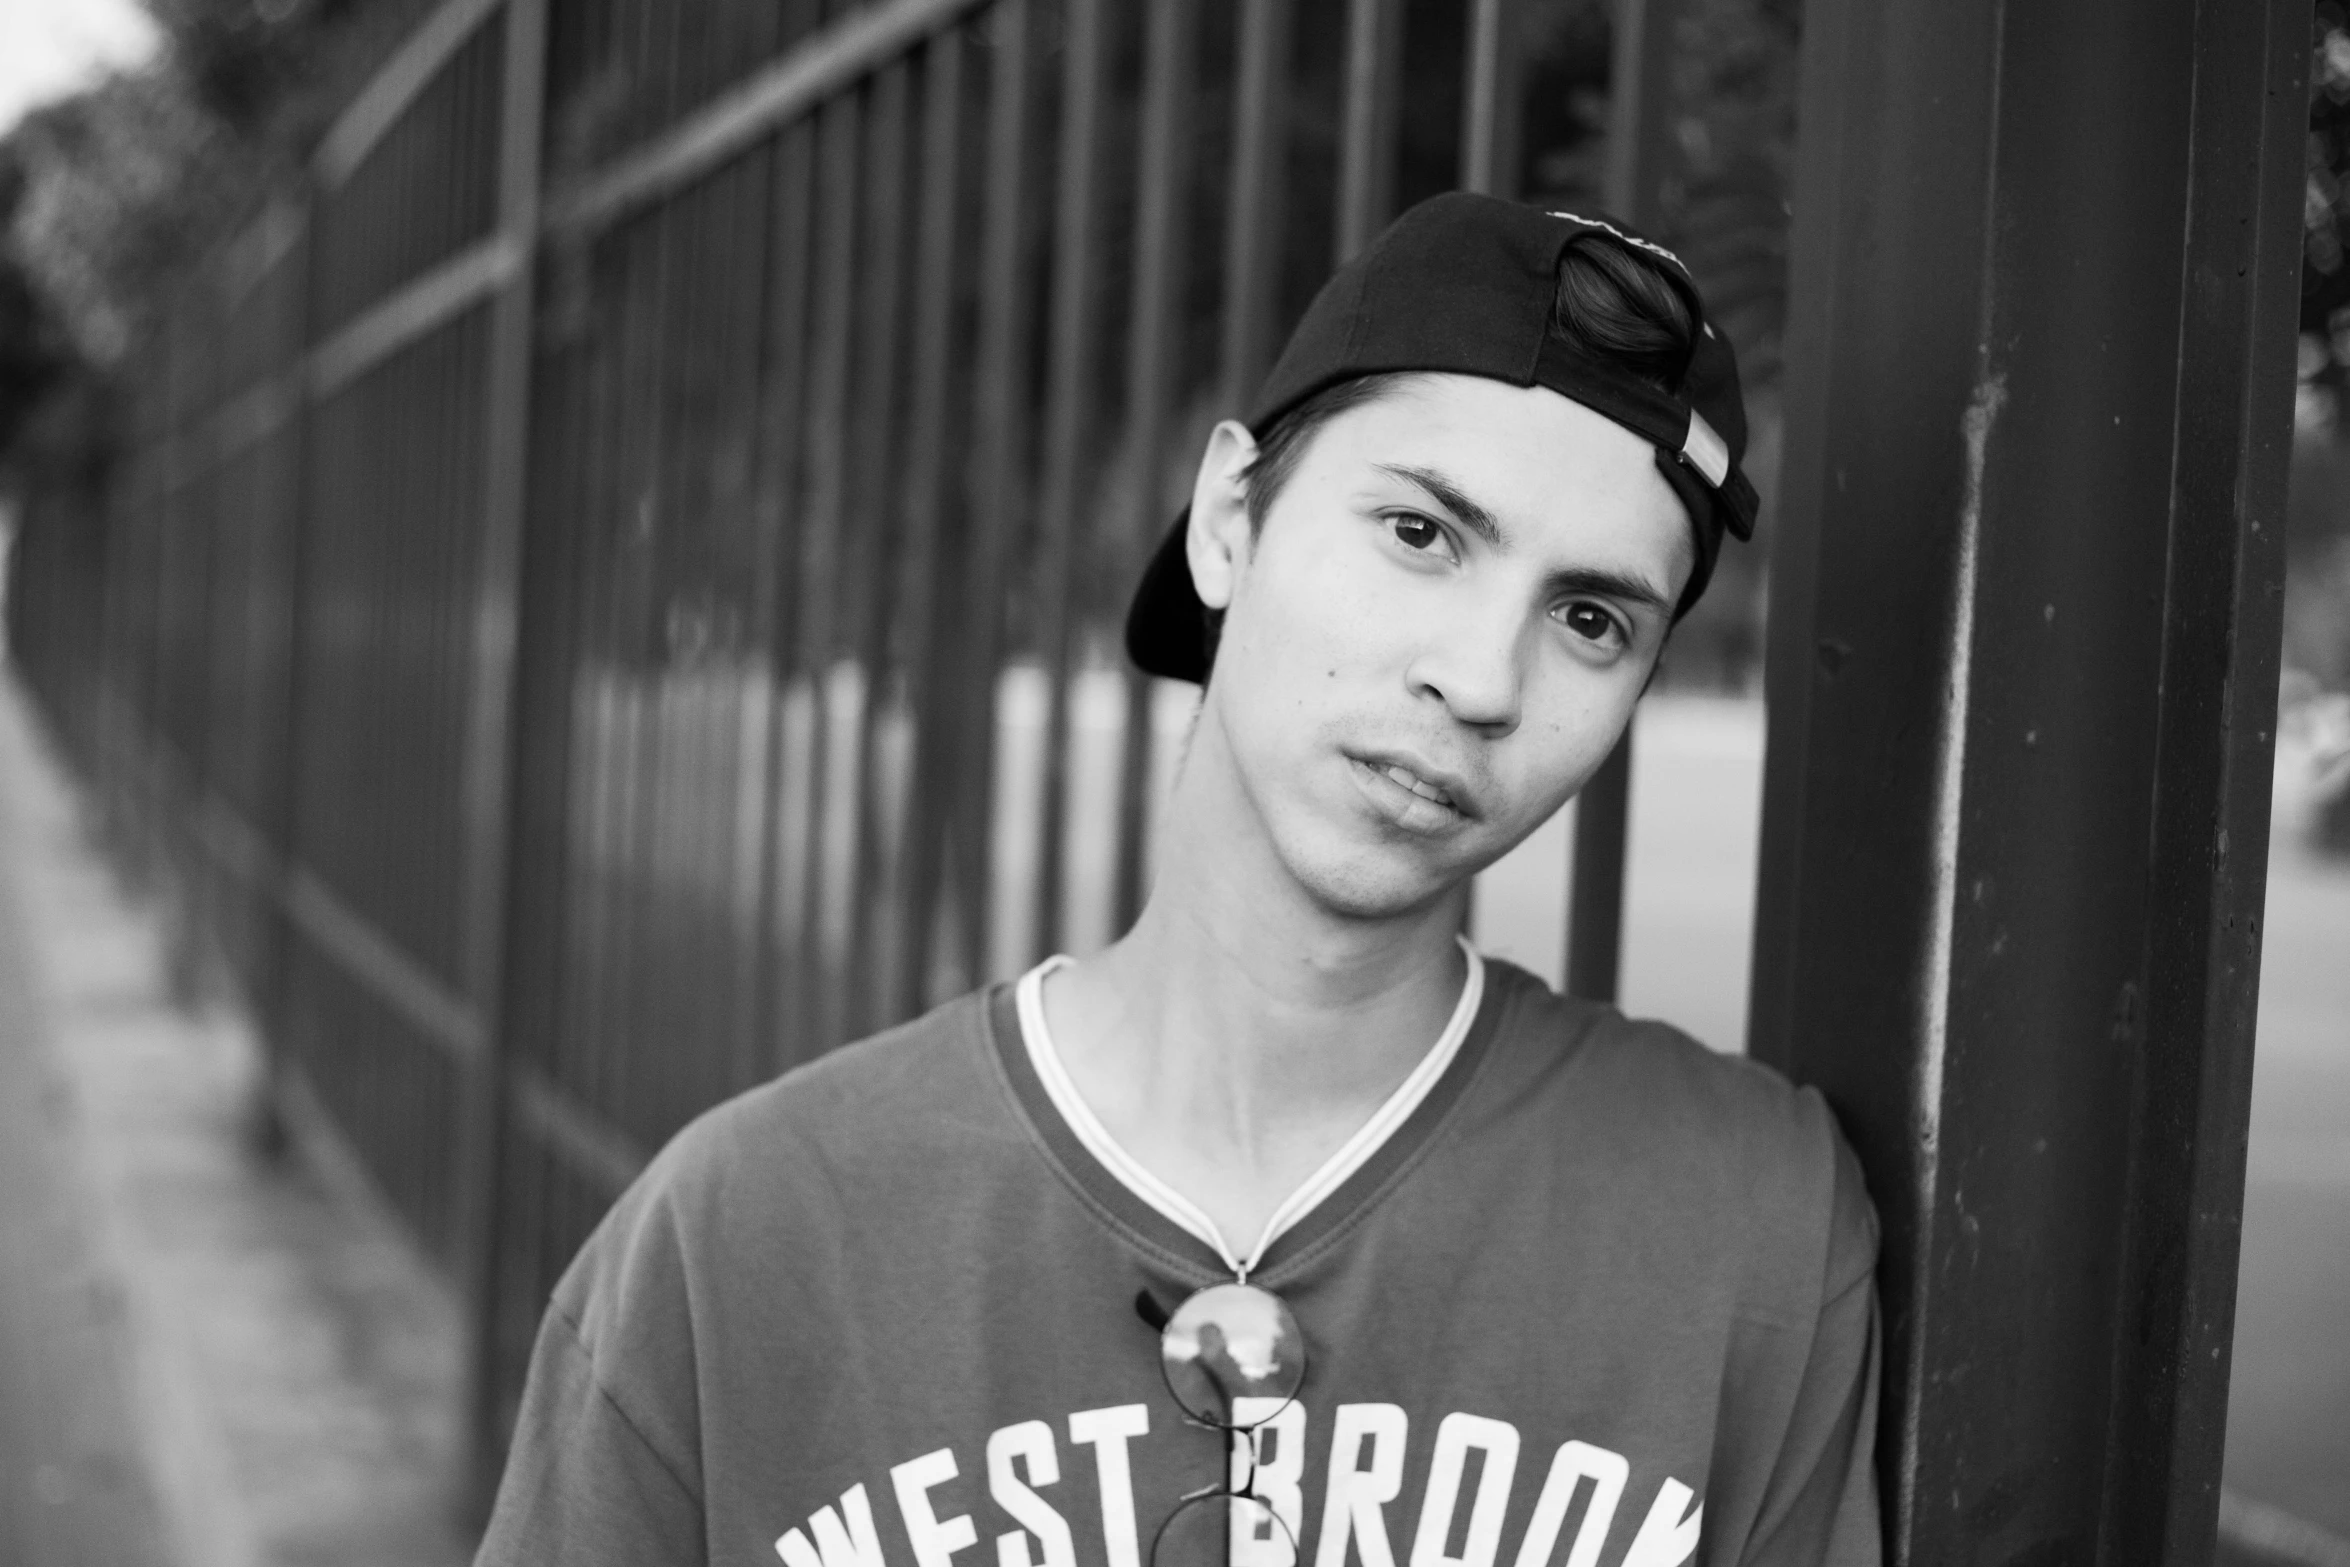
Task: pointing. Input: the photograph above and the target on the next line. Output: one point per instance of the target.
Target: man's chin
(1374, 888)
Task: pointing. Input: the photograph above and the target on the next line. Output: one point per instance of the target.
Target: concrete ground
(207, 1359)
(76, 1488)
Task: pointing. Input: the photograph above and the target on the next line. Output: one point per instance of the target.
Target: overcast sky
(50, 47)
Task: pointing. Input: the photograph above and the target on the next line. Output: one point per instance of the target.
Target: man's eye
(1591, 623)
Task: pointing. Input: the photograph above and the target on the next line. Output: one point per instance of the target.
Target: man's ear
(1219, 537)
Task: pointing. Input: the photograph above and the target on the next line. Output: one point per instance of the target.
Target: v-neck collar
(1169, 1223)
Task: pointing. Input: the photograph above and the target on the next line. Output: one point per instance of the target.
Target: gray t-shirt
(1602, 1300)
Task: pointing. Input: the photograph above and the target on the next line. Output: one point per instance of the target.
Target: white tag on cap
(1705, 450)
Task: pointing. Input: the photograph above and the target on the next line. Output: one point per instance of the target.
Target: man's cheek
(1543, 782)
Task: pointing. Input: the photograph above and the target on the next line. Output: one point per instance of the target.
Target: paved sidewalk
(74, 1484)
(206, 1359)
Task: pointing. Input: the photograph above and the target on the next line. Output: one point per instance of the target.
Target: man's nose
(1475, 664)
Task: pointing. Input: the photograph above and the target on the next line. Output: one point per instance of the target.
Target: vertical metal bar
(274, 745)
(870, 587)
(1595, 891)
(625, 392)
(2023, 653)
(1164, 176)
(783, 418)
(998, 460)
(1067, 419)
(739, 695)
(1640, 110)
(280, 812)
(1367, 135)
(679, 983)
(1252, 230)
(839, 140)
(568, 476)
(2213, 769)
(929, 688)
(1489, 106)
(659, 819)
(203, 720)
(625, 981)
(1639, 147)
(490, 744)
(745, 563)
(692, 794)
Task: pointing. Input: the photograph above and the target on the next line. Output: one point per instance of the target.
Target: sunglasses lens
(1223, 1530)
(1228, 1343)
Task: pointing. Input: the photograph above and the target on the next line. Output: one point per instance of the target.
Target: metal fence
(613, 589)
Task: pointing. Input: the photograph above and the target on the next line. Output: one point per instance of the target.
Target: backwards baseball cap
(1467, 284)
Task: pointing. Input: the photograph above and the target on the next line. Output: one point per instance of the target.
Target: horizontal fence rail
(614, 590)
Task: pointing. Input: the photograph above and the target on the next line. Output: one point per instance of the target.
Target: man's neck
(1238, 1035)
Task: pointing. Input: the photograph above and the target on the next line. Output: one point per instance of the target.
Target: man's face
(1438, 633)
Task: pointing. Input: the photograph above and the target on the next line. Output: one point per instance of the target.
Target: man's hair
(1613, 304)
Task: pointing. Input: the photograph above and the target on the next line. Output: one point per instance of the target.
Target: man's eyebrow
(1472, 516)
(1609, 584)
(1573, 579)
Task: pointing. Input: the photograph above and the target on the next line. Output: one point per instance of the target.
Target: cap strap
(1703, 449)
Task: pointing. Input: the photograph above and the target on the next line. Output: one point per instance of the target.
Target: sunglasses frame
(1251, 1433)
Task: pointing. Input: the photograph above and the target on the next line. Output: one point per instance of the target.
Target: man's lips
(1418, 785)
(1417, 795)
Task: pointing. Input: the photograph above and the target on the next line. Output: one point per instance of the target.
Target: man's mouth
(1419, 786)
(1410, 799)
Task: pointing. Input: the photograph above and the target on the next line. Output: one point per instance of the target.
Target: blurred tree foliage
(109, 198)
(2317, 526)
(2325, 273)
(34, 353)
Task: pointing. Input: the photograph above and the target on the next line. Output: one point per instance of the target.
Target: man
(1289, 1230)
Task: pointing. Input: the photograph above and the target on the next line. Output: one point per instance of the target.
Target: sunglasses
(1234, 1359)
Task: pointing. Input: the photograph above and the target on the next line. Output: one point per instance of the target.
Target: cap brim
(1167, 630)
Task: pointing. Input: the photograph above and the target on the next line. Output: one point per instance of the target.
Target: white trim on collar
(1181, 1210)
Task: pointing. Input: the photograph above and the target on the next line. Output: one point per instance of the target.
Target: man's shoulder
(1652, 1071)
(1698, 1130)
(922, 1082)
(844, 1144)
(827, 1144)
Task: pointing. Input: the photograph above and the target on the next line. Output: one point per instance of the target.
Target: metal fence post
(1163, 173)
(278, 814)
(1640, 119)
(492, 726)
(2208, 871)
(1368, 123)
(1489, 100)
(2022, 679)
(1256, 197)
(1074, 352)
